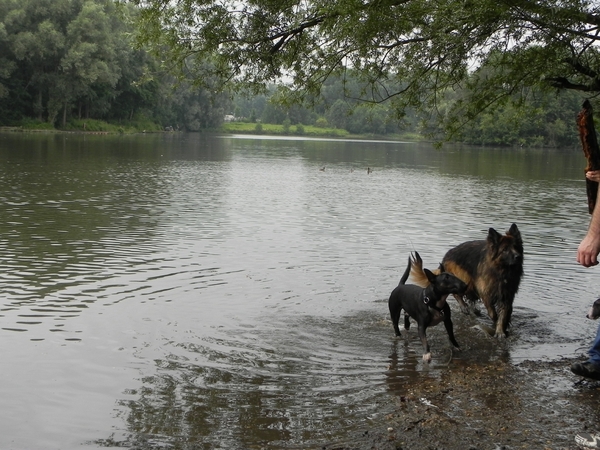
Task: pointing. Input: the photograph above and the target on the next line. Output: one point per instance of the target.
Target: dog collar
(430, 304)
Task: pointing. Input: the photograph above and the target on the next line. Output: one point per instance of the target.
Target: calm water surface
(190, 291)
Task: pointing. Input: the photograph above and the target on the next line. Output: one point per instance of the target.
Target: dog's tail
(417, 274)
(406, 272)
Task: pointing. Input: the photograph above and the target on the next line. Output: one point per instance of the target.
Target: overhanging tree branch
(564, 83)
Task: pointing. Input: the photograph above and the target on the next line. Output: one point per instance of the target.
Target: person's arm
(587, 253)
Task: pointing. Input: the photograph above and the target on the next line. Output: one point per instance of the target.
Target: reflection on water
(203, 291)
(231, 391)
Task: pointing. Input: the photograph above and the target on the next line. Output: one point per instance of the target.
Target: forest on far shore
(73, 65)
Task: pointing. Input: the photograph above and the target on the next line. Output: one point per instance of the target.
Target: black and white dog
(427, 305)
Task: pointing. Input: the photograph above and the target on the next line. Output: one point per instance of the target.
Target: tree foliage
(539, 119)
(410, 52)
(337, 63)
(63, 60)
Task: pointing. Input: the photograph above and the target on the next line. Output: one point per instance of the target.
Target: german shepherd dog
(427, 305)
(492, 269)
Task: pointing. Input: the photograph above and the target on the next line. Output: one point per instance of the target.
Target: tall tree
(35, 42)
(6, 65)
(65, 50)
(90, 61)
(408, 51)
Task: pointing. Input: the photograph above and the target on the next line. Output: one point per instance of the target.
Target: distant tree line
(72, 60)
(64, 62)
(544, 119)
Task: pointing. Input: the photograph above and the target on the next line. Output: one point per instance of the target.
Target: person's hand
(593, 175)
(587, 253)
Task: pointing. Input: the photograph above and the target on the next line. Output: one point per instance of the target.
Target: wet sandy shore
(497, 405)
(483, 400)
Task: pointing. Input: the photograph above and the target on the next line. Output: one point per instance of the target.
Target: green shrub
(33, 124)
(89, 125)
(143, 123)
(321, 122)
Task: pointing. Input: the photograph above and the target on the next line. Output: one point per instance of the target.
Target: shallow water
(190, 291)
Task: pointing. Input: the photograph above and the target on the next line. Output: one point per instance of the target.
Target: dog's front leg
(487, 302)
(504, 313)
(423, 337)
(449, 326)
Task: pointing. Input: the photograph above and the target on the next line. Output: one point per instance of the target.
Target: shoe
(587, 440)
(586, 369)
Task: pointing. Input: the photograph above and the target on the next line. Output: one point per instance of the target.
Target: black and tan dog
(594, 311)
(492, 269)
(427, 305)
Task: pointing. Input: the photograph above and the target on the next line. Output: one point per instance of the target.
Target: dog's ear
(430, 275)
(514, 232)
(516, 235)
(493, 237)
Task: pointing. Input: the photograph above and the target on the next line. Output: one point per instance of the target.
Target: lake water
(189, 291)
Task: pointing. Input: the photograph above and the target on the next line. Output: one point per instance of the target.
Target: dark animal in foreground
(492, 269)
(427, 305)
(594, 311)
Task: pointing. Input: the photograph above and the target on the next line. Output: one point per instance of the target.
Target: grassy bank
(146, 126)
(89, 125)
(282, 130)
(133, 126)
(306, 130)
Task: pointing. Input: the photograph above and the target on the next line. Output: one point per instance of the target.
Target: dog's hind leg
(406, 322)
(395, 316)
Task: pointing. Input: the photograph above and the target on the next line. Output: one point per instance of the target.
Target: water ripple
(230, 292)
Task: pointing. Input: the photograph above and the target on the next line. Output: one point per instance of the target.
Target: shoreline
(497, 405)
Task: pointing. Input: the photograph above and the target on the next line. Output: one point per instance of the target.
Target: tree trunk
(589, 143)
(64, 121)
(39, 109)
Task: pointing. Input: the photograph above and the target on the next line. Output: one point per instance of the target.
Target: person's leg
(591, 367)
(594, 351)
